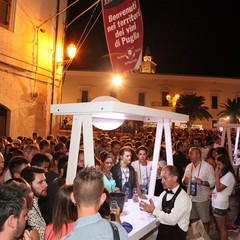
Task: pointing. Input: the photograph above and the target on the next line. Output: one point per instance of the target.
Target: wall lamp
(71, 51)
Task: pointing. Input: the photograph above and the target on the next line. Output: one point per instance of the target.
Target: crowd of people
(36, 202)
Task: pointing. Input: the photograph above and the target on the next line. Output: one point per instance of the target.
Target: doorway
(3, 120)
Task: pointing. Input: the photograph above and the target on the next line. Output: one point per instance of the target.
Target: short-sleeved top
(205, 172)
(94, 227)
(221, 199)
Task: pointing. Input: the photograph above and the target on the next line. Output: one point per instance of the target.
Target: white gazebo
(85, 113)
(227, 131)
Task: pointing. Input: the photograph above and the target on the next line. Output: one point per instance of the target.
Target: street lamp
(173, 99)
(71, 50)
(117, 80)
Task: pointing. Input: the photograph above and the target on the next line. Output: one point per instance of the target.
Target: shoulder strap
(115, 231)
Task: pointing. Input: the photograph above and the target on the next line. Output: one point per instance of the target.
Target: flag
(124, 33)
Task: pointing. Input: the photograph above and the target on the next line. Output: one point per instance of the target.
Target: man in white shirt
(173, 207)
(143, 169)
(199, 177)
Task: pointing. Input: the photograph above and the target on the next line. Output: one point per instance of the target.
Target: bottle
(193, 187)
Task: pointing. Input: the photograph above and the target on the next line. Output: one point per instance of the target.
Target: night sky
(184, 37)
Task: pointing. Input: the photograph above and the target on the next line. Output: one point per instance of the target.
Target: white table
(141, 221)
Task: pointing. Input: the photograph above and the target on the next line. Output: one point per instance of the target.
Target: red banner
(124, 33)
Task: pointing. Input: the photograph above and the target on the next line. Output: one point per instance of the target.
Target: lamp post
(173, 100)
(71, 49)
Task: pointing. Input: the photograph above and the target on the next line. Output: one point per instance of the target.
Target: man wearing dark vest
(173, 207)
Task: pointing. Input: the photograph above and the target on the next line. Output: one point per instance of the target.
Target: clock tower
(148, 66)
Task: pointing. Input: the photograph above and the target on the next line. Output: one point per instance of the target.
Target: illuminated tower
(148, 66)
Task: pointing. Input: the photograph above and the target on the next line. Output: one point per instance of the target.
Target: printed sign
(124, 33)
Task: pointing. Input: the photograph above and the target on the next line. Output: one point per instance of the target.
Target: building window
(214, 102)
(213, 123)
(5, 13)
(238, 100)
(84, 96)
(164, 99)
(141, 99)
(113, 94)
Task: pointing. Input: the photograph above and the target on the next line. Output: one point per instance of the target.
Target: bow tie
(169, 191)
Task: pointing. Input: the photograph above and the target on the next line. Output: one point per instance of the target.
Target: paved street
(234, 205)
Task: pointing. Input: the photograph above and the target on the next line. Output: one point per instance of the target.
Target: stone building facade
(150, 90)
(31, 44)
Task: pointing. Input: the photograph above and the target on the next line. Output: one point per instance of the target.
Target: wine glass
(135, 195)
(114, 206)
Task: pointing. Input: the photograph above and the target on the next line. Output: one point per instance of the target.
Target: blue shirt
(94, 227)
(110, 184)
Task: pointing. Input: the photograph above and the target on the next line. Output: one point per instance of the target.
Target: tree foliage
(231, 109)
(193, 106)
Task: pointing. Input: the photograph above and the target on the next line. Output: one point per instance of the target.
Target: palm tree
(231, 109)
(192, 105)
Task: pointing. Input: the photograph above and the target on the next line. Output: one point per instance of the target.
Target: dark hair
(11, 203)
(125, 149)
(225, 160)
(16, 163)
(62, 163)
(28, 173)
(64, 211)
(29, 148)
(178, 145)
(49, 137)
(67, 144)
(138, 144)
(104, 155)
(38, 159)
(210, 154)
(222, 150)
(59, 146)
(104, 210)
(43, 143)
(22, 185)
(115, 142)
(63, 139)
(142, 148)
(149, 142)
(30, 140)
(58, 155)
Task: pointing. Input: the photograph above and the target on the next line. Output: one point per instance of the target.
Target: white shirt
(221, 199)
(180, 214)
(205, 172)
(143, 172)
(204, 152)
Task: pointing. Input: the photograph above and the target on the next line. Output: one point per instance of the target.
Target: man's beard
(41, 194)
(18, 232)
